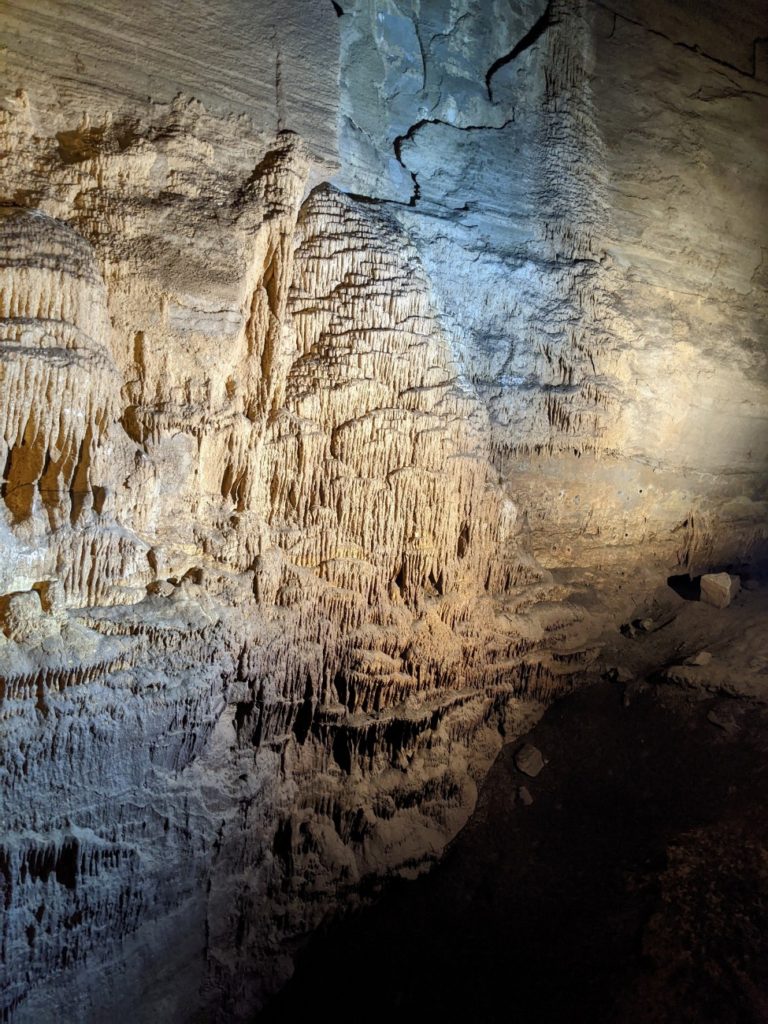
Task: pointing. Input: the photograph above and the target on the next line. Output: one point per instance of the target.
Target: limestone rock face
(612, 328)
(359, 364)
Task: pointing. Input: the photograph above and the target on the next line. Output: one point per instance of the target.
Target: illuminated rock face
(572, 191)
(334, 407)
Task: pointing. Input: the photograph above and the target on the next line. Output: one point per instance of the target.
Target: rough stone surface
(361, 364)
(529, 760)
(700, 658)
(719, 589)
(525, 796)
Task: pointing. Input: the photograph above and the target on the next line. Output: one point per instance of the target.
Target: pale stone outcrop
(719, 588)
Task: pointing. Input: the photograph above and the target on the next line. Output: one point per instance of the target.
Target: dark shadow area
(625, 893)
(685, 586)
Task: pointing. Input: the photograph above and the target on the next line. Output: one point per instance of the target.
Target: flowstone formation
(267, 601)
(334, 421)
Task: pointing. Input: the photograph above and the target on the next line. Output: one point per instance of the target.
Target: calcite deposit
(361, 365)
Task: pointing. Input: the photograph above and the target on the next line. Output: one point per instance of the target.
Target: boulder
(529, 760)
(700, 659)
(719, 589)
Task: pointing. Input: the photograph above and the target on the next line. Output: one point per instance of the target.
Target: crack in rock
(408, 136)
(531, 37)
(691, 47)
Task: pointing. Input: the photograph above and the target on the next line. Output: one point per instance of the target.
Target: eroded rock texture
(346, 376)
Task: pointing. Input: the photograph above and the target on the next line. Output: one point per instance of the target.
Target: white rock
(529, 760)
(22, 616)
(701, 658)
(719, 589)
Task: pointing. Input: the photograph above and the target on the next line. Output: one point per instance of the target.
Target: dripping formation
(336, 446)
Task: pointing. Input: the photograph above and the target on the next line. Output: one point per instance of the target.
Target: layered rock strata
(328, 447)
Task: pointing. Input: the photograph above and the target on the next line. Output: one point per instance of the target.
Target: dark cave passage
(601, 902)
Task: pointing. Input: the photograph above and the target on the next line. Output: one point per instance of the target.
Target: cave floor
(633, 889)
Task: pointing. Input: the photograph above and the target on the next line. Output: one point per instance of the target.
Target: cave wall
(588, 193)
(360, 365)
